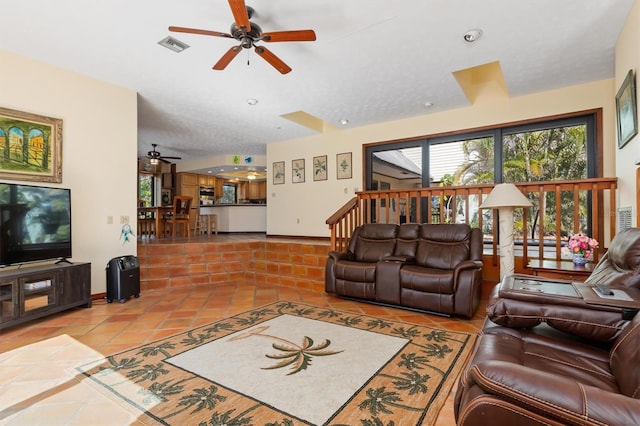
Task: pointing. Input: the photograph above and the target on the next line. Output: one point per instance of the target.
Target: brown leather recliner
(618, 268)
(520, 377)
(556, 359)
(429, 267)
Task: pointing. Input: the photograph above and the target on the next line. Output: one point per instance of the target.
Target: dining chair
(146, 220)
(180, 215)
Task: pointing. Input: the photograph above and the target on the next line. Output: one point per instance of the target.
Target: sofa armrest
(554, 395)
(340, 255)
(468, 264)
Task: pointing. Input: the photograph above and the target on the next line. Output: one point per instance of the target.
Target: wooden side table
(560, 269)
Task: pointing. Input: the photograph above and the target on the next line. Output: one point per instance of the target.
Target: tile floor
(38, 384)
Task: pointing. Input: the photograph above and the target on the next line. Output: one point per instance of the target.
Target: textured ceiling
(373, 61)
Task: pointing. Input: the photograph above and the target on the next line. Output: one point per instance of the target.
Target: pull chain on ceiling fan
(248, 34)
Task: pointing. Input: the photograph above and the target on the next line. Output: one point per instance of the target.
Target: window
(546, 150)
(146, 185)
(229, 193)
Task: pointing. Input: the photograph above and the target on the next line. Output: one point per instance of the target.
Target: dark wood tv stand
(30, 292)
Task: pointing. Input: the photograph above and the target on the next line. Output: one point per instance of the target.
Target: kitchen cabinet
(256, 190)
(219, 189)
(206, 180)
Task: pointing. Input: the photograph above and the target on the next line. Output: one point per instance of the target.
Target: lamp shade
(505, 195)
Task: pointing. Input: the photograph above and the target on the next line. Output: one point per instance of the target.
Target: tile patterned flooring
(40, 387)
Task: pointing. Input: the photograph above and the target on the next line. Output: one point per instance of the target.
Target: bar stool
(197, 224)
(207, 223)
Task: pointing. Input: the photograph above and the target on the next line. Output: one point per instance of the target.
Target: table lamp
(505, 197)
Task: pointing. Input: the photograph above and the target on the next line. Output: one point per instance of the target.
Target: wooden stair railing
(460, 204)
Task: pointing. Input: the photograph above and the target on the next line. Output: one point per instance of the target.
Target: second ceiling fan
(248, 34)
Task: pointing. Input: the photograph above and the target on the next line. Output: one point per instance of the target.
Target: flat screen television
(35, 223)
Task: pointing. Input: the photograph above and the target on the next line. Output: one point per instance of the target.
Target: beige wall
(628, 57)
(313, 202)
(99, 151)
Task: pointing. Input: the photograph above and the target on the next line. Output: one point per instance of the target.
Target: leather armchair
(523, 377)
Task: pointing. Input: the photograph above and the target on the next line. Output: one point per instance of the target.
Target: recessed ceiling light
(344, 121)
(252, 101)
(428, 104)
(472, 36)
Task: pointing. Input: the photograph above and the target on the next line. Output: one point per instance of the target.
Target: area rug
(290, 364)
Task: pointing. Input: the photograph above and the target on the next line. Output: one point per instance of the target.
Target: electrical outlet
(298, 220)
(109, 220)
(124, 220)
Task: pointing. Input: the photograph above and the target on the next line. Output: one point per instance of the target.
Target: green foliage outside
(145, 189)
(546, 155)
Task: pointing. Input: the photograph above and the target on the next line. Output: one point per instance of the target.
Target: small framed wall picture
(278, 172)
(320, 168)
(343, 165)
(626, 107)
(297, 170)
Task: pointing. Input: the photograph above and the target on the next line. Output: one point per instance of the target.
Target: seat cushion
(430, 280)
(348, 270)
(585, 364)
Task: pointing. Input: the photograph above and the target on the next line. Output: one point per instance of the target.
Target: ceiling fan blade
(197, 31)
(273, 60)
(240, 15)
(296, 35)
(164, 157)
(226, 58)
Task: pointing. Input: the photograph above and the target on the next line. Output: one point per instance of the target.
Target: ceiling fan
(248, 34)
(155, 157)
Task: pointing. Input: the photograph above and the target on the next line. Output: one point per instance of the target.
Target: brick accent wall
(295, 264)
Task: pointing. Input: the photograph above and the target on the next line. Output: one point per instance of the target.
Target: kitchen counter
(239, 217)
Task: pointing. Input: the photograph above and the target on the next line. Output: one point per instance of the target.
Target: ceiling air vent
(173, 44)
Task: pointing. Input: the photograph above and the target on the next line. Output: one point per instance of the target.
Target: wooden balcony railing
(560, 209)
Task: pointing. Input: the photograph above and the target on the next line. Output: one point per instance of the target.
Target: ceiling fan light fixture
(154, 161)
(472, 36)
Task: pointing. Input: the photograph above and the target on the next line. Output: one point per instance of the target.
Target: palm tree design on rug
(297, 356)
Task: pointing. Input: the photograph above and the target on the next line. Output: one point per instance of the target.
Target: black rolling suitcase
(123, 278)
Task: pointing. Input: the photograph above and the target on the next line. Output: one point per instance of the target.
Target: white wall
(628, 57)
(313, 202)
(99, 151)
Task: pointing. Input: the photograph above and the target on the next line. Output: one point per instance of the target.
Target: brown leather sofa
(556, 359)
(428, 267)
